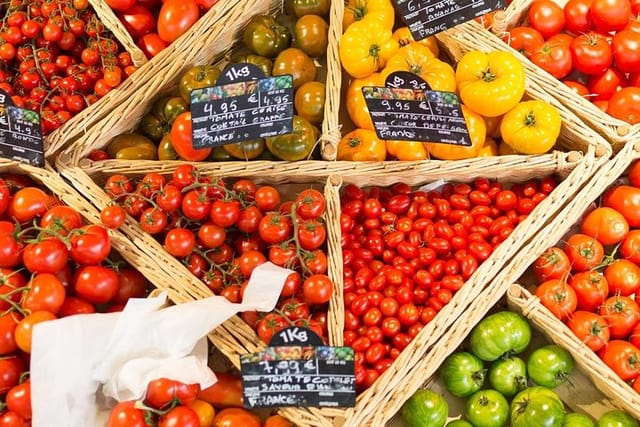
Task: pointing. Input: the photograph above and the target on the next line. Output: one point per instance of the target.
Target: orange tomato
(277, 421)
(407, 150)
(182, 140)
(605, 224)
(356, 105)
(362, 145)
(404, 37)
(205, 412)
(24, 329)
(236, 417)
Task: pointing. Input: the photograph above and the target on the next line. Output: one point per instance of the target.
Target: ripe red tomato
(90, 245)
(179, 242)
(630, 246)
(524, 39)
(623, 277)
(18, 400)
(317, 289)
(552, 264)
(584, 252)
(180, 416)
(621, 314)
(125, 414)
(624, 198)
(591, 289)
(46, 293)
(163, 391)
(10, 370)
(267, 198)
(46, 256)
(622, 357)
(576, 16)
(120, 5)
(578, 88)
(270, 325)
(113, 216)
(626, 50)
(589, 328)
(610, 15)
(546, 17)
(311, 234)
(249, 260)
(232, 417)
(604, 85)
(176, 17)
(181, 137)
(557, 297)
(310, 204)
(132, 284)
(274, 228)
(605, 224)
(554, 57)
(61, 219)
(96, 283)
(151, 44)
(27, 203)
(138, 21)
(591, 53)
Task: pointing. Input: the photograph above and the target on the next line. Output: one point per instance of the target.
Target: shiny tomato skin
(591, 289)
(232, 417)
(176, 17)
(576, 16)
(590, 328)
(124, 414)
(625, 105)
(623, 277)
(96, 283)
(584, 252)
(605, 84)
(546, 17)
(558, 297)
(552, 264)
(605, 224)
(621, 314)
(623, 357)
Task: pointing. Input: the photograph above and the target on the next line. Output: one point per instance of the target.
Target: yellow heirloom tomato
(407, 150)
(418, 59)
(490, 83)
(489, 149)
(365, 48)
(361, 145)
(356, 105)
(477, 133)
(357, 10)
(531, 127)
(404, 37)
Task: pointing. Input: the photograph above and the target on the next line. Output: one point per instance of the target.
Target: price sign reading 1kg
(297, 369)
(20, 133)
(428, 17)
(243, 106)
(404, 109)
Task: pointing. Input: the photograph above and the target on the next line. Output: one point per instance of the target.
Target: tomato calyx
(488, 76)
(530, 119)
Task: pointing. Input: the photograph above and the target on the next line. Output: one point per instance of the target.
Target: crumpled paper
(78, 363)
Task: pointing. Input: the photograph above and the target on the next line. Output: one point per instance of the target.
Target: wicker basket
(210, 40)
(616, 131)
(590, 400)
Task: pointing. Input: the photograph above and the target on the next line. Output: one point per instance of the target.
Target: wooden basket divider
(601, 375)
(616, 131)
(210, 37)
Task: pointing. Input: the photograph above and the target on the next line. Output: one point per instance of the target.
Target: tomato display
(58, 58)
(592, 44)
(58, 266)
(406, 253)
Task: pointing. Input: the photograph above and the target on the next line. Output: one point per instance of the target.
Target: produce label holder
(20, 133)
(244, 105)
(428, 17)
(406, 109)
(297, 369)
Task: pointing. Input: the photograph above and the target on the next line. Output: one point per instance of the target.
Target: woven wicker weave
(617, 132)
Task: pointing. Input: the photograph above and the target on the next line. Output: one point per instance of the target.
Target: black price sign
(20, 133)
(405, 109)
(297, 370)
(428, 17)
(243, 106)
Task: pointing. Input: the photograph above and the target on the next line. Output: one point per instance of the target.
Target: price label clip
(20, 133)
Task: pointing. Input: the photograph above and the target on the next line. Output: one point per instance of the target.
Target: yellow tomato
(489, 149)
(505, 149)
(490, 83)
(365, 48)
(407, 150)
(418, 59)
(404, 37)
(357, 10)
(531, 127)
(356, 105)
(205, 412)
(361, 145)
(477, 133)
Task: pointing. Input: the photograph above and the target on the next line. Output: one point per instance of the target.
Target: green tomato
(617, 418)
(425, 409)
(537, 407)
(462, 374)
(550, 366)
(501, 333)
(575, 419)
(459, 423)
(508, 375)
(487, 408)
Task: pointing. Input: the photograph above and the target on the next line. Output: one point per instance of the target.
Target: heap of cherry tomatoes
(154, 24)
(406, 253)
(57, 58)
(170, 403)
(592, 46)
(52, 265)
(223, 232)
(591, 281)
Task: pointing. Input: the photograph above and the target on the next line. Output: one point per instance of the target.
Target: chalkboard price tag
(405, 110)
(20, 133)
(243, 106)
(428, 17)
(295, 371)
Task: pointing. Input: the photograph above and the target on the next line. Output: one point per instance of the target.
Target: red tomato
(232, 417)
(623, 277)
(558, 297)
(623, 357)
(181, 137)
(11, 368)
(138, 21)
(604, 85)
(124, 414)
(176, 17)
(274, 228)
(96, 283)
(624, 198)
(163, 391)
(113, 216)
(584, 252)
(610, 15)
(151, 44)
(621, 314)
(576, 16)
(605, 224)
(578, 88)
(552, 264)
(270, 325)
(27, 203)
(267, 198)
(180, 416)
(249, 260)
(546, 17)
(120, 5)
(591, 53)
(311, 234)
(45, 256)
(46, 293)
(179, 242)
(554, 57)
(310, 204)
(630, 246)
(90, 245)
(18, 400)
(626, 50)
(591, 289)
(524, 39)
(589, 328)
(317, 289)
(61, 219)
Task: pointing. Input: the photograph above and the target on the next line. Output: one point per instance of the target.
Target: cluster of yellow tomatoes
(489, 85)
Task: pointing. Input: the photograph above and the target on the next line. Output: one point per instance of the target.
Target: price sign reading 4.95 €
(428, 17)
(20, 133)
(298, 370)
(404, 109)
(243, 106)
